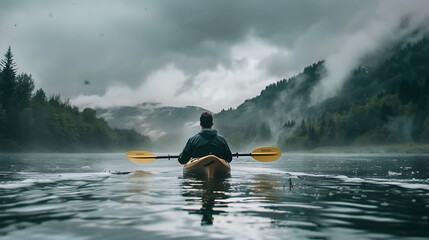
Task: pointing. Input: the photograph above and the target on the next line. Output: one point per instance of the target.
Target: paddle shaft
(177, 156)
(241, 155)
(168, 156)
(264, 154)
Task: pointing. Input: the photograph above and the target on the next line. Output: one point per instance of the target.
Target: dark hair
(206, 120)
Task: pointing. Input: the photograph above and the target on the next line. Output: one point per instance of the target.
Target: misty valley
(214, 120)
(384, 104)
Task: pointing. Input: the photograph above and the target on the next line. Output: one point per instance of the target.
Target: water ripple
(298, 201)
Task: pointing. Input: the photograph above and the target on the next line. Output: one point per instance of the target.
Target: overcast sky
(212, 54)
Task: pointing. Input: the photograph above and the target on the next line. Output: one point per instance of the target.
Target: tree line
(384, 119)
(383, 101)
(385, 105)
(32, 121)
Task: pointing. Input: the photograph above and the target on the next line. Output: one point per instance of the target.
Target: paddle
(264, 154)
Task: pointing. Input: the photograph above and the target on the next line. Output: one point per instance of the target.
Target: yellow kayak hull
(207, 167)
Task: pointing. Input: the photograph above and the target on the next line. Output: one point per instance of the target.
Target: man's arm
(186, 153)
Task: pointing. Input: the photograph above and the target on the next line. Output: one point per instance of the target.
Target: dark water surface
(105, 196)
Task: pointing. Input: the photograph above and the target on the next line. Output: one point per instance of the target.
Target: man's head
(206, 120)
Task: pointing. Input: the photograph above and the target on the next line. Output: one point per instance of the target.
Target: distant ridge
(168, 127)
(381, 102)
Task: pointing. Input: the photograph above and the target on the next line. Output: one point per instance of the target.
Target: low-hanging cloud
(390, 22)
(214, 89)
(214, 54)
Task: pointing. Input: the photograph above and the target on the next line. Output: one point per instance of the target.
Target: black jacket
(206, 142)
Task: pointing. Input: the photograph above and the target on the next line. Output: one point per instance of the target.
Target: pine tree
(313, 136)
(2, 122)
(303, 128)
(40, 96)
(8, 88)
(24, 90)
(8, 84)
(386, 111)
(404, 92)
(332, 137)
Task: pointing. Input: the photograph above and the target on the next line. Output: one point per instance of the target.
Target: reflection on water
(81, 196)
(140, 180)
(205, 197)
(267, 186)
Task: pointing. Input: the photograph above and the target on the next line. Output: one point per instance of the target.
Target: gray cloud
(387, 24)
(217, 52)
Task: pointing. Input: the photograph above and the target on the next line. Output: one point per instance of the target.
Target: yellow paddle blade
(267, 154)
(141, 156)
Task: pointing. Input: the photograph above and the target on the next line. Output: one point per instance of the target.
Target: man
(206, 142)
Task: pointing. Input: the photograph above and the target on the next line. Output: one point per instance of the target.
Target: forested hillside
(384, 105)
(34, 122)
(379, 103)
(273, 114)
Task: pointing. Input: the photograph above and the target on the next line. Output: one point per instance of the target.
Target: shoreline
(371, 149)
(391, 148)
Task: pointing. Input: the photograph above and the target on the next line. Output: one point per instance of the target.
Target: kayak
(208, 167)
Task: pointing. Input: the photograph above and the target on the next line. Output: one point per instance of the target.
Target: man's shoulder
(220, 137)
(195, 137)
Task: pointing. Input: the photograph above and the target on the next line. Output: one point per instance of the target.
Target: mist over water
(366, 83)
(300, 196)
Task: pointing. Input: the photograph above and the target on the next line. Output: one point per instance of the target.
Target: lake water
(301, 196)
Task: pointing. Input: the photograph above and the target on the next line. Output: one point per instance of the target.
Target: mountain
(380, 103)
(383, 101)
(272, 114)
(168, 127)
